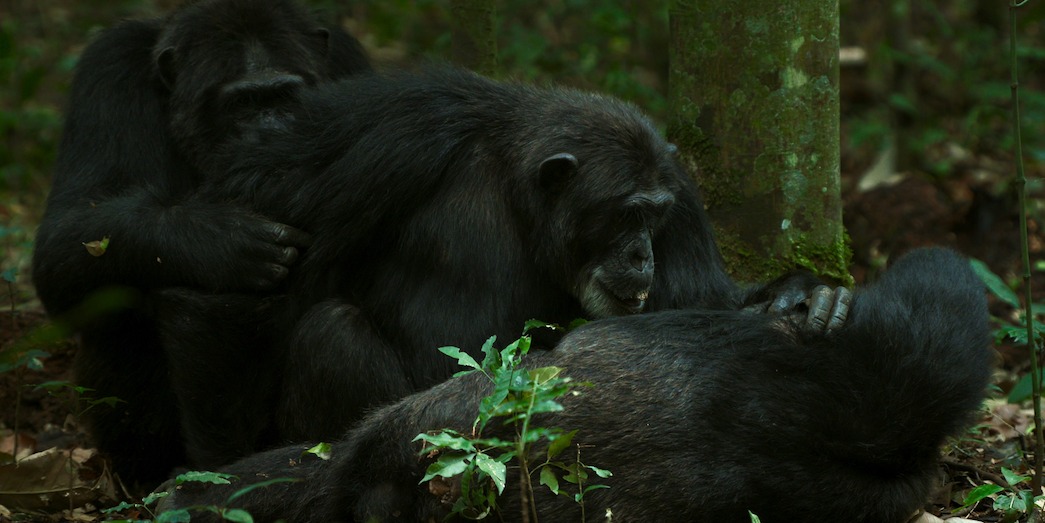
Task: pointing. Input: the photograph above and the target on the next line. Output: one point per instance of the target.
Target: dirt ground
(965, 210)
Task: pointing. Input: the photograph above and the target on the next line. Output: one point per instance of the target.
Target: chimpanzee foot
(828, 309)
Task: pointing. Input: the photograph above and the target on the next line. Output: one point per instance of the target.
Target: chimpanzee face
(619, 278)
(610, 209)
(233, 68)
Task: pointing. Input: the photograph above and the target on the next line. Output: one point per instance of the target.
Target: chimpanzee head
(608, 182)
(233, 66)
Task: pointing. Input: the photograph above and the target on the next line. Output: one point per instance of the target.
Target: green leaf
(903, 103)
(754, 518)
(446, 439)
(122, 506)
(493, 468)
(448, 466)
(110, 401)
(575, 474)
(321, 451)
(10, 275)
(523, 346)
(549, 478)
(217, 478)
(491, 358)
(463, 358)
(1018, 333)
(56, 385)
(560, 443)
(1022, 390)
(577, 322)
(237, 515)
(994, 283)
(261, 484)
(538, 324)
(153, 496)
(546, 406)
(510, 355)
(1012, 477)
(1018, 503)
(489, 404)
(174, 516)
(602, 473)
(590, 488)
(977, 494)
(545, 374)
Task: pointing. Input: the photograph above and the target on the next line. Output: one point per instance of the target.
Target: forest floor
(61, 479)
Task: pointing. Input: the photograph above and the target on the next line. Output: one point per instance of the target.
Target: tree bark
(754, 94)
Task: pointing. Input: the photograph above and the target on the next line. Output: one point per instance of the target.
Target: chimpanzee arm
(119, 176)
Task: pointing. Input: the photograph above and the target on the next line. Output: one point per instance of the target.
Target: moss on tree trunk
(754, 93)
(473, 37)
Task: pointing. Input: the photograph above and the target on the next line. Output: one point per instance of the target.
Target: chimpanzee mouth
(603, 297)
(634, 304)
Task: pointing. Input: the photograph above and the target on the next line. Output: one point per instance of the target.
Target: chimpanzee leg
(336, 367)
(222, 354)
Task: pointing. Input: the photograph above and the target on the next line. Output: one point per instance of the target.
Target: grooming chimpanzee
(445, 207)
(701, 415)
(120, 175)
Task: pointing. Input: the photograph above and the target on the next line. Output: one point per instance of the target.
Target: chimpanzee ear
(165, 66)
(556, 170)
(320, 37)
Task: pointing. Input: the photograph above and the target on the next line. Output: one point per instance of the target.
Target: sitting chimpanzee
(445, 207)
(120, 175)
(700, 415)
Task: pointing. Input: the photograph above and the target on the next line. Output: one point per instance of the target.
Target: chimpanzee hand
(800, 293)
(828, 309)
(239, 251)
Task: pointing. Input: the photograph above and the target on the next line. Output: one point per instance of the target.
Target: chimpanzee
(700, 415)
(120, 175)
(445, 207)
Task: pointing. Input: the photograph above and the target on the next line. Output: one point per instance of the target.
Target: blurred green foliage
(958, 93)
(955, 51)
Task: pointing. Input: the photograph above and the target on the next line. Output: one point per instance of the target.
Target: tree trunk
(473, 37)
(754, 93)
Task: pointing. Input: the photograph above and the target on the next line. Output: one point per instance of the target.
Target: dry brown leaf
(97, 247)
(26, 445)
(53, 479)
(1008, 421)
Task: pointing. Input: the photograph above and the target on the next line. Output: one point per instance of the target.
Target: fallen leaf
(55, 479)
(97, 247)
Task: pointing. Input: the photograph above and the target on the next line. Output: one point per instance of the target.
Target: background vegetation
(926, 135)
(931, 89)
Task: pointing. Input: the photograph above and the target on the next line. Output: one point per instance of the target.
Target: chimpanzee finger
(286, 235)
(287, 256)
(787, 301)
(820, 302)
(839, 308)
(275, 274)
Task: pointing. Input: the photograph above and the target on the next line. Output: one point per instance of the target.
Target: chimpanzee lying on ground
(119, 174)
(445, 207)
(701, 415)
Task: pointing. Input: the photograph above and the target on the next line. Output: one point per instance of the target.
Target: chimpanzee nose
(640, 259)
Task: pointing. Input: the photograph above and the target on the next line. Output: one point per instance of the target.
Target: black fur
(447, 207)
(120, 174)
(700, 415)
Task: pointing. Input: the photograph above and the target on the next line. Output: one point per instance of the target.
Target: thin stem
(580, 484)
(526, 486)
(1021, 191)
